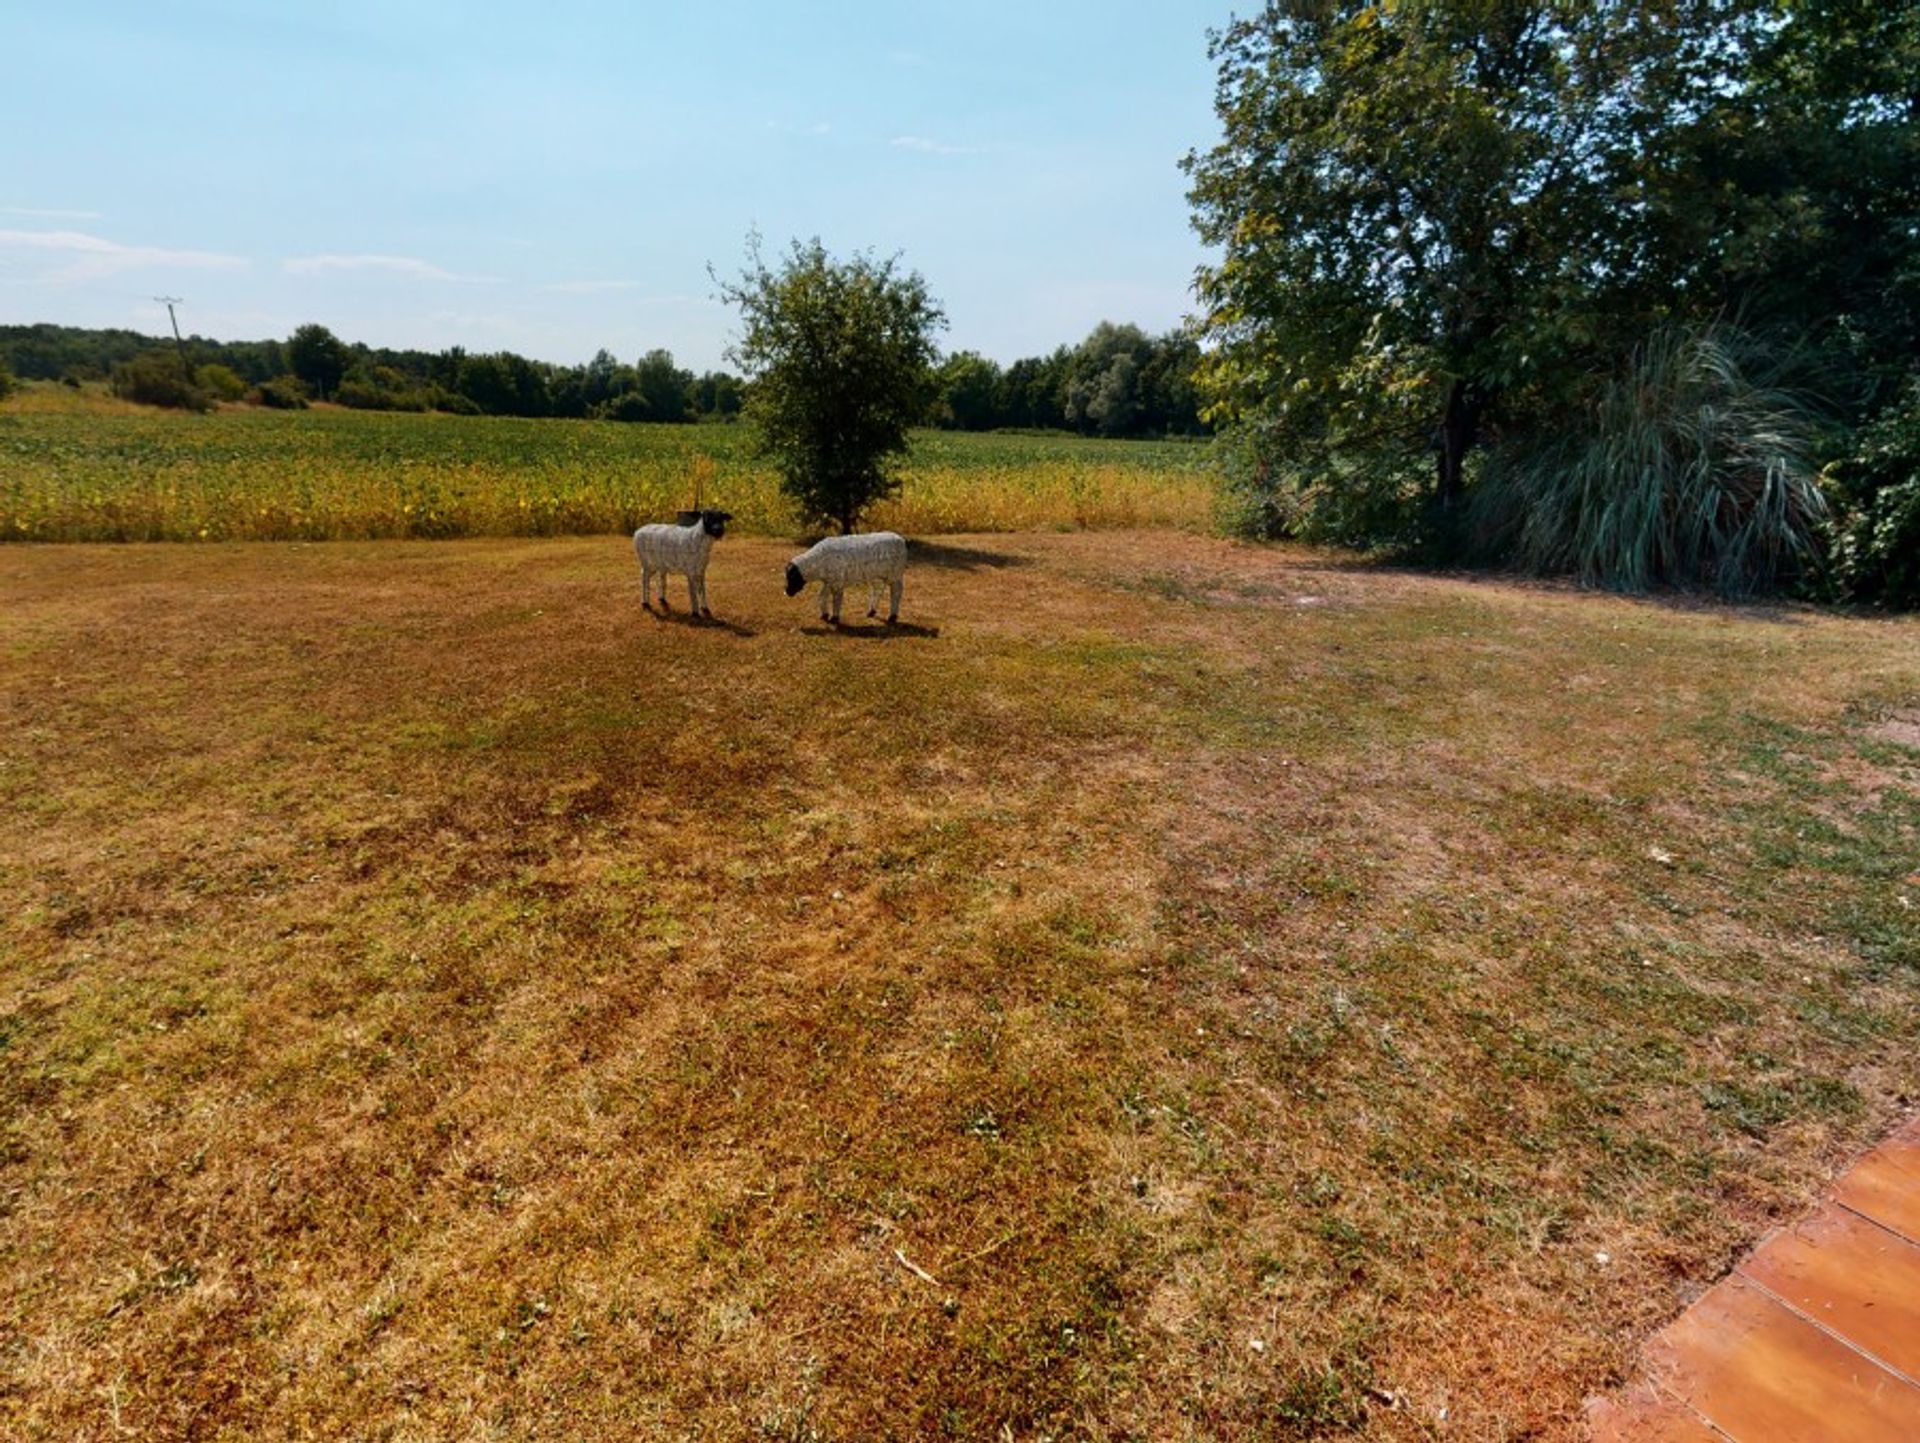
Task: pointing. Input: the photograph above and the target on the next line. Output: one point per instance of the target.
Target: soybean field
(83, 473)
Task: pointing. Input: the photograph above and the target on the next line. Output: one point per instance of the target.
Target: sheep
(679, 548)
(840, 561)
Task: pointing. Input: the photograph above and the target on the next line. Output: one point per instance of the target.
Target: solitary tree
(840, 356)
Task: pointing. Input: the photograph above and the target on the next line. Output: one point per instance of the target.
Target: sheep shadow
(961, 558)
(877, 631)
(702, 623)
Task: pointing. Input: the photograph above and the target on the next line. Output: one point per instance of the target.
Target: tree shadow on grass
(961, 558)
(1778, 611)
(872, 631)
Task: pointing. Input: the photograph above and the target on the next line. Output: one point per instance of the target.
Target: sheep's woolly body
(682, 550)
(848, 560)
(678, 550)
(842, 561)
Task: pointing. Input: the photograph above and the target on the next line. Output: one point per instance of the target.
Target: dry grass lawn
(1171, 990)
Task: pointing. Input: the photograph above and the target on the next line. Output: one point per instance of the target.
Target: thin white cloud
(409, 266)
(592, 288)
(35, 214)
(931, 147)
(588, 288)
(819, 127)
(89, 256)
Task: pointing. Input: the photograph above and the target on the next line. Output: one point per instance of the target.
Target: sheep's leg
(825, 590)
(663, 590)
(893, 609)
(705, 610)
(646, 587)
(873, 598)
(839, 600)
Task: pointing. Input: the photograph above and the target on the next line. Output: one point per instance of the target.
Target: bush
(283, 393)
(368, 396)
(453, 403)
(222, 383)
(629, 406)
(154, 378)
(7, 382)
(1273, 487)
(1686, 469)
(1874, 536)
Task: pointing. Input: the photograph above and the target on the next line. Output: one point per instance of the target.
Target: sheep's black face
(796, 583)
(714, 523)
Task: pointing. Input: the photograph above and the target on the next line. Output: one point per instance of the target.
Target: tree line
(1118, 381)
(315, 364)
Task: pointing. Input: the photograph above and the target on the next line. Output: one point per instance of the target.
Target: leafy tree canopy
(1425, 208)
(319, 358)
(840, 357)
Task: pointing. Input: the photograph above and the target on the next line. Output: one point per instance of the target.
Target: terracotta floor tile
(1885, 1184)
(1761, 1374)
(1644, 1416)
(1850, 1276)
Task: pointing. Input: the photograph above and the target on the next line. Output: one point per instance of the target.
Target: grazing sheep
(683, 549)
(842, 561)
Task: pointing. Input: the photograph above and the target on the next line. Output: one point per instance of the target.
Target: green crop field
(83, 470)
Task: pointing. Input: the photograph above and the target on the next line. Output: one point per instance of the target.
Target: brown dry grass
(439, 1000)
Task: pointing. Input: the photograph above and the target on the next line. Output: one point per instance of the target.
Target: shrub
(369, 396)
(154, 378)
(222, 383)
(1272, 487)
(283, 393)
(1875, 494)
(628, 406)
(1685, 468)
(453, 403)
(6, 381)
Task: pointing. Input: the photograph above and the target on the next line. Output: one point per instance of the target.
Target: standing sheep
(842, 561)
(683, 549)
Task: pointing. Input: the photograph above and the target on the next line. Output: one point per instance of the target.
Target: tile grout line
(1867, 1217)
(1905, 1135)
(1694, 1410)
(1898, 1374)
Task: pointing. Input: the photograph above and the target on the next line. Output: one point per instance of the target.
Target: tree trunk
(1459, 429)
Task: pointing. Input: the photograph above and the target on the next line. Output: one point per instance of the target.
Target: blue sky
(555, 178)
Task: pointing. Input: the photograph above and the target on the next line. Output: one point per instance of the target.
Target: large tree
(319, 358)
(1426, 209)
(1795, 198)
(969, 386)
(668, 389)
(839, 355)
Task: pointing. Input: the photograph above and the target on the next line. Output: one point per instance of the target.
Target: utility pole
(170, 302)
